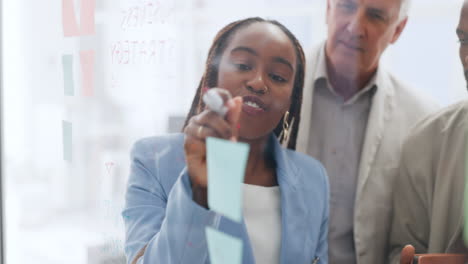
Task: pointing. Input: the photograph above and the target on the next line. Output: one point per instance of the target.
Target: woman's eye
(243, 67)
(277, 78)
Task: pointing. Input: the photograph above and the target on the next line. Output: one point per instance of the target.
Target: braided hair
(210, 77)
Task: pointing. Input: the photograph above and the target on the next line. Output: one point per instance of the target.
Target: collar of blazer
(380, 114)
(293, 203)
(287, 171)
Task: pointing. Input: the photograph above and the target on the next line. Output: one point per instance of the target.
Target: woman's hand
(207, 124)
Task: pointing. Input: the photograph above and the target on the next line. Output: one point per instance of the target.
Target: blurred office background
(149, 59)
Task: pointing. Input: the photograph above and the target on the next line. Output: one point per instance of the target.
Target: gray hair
(404, 9)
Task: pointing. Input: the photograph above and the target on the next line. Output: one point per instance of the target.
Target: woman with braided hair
(285, 193)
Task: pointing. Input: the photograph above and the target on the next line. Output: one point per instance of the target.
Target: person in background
(355, 116)
(429, 190)
(285, 219)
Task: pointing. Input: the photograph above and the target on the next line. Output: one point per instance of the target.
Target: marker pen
(215, 101)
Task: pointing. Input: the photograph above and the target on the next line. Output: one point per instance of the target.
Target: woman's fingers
(209, 124)
(200, 132)
(195, 155)
(233, 115)
(216, 122)
(194, 145)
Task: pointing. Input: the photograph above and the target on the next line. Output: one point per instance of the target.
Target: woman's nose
(257, 85)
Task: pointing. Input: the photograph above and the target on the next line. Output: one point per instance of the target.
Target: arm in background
(410, 220)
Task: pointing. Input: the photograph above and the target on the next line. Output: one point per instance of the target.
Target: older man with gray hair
(355, 115)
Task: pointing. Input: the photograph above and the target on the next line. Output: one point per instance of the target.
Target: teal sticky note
(226, 162)
(223, 248)
(67, 140)
(67, 63)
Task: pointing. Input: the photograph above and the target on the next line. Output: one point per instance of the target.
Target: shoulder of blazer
(151, 148)
(420, 103)
(312, 55)
(400, 105)
(160, 156)
(309, 170)
(442, 120)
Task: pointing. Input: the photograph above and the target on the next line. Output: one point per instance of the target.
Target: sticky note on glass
(87, 18)
(226, 162)
(67, 62)
(67, 140)
(223, 248)
(70, 26)
(87, 72)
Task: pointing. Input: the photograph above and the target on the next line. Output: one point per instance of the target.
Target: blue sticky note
(67, 140)
(226, 162)
(67, 63)
(223, 248)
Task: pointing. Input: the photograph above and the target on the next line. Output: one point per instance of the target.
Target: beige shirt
(336, 139)
(429, 189)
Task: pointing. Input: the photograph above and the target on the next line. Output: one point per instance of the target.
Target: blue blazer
(159, 212)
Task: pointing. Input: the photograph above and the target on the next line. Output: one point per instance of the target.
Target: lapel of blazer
(302, 142)
(380, 113)
(293, 208)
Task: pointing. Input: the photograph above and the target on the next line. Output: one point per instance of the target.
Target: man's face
(462, 33)
(359, 31)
